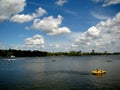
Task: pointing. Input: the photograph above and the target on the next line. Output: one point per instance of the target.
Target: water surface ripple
(59, 73)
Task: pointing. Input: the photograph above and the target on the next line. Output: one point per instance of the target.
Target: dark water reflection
(64, 73)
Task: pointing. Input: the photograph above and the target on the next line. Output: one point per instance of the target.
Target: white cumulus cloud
(104, 36)
(93, 32)
(21, 18)
(10, 7)
(37, 41)
(61, 2)
(3, 17)
(39, 12)
(50, 25)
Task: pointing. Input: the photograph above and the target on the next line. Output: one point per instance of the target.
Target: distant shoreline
(29, 53)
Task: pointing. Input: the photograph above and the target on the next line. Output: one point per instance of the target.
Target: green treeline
(28, 53)
(21, 53)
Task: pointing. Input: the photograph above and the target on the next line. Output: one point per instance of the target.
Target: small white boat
(12, 56)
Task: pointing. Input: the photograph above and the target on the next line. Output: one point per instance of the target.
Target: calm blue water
(66, 73)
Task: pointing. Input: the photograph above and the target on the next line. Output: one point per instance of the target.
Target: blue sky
(60, 25)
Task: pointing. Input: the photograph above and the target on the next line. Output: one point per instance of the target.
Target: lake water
(60, 73)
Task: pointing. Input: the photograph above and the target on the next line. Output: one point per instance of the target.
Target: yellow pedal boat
(98, 72)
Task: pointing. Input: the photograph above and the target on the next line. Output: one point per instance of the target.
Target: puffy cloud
(108, 2)
(93, 32)
(21, 18)
(2, 18)
(39, 12)
(60, 30)
(37, 41)
(26, 18)
(61, 2)
(110, 25)
(104, 36)
(50, 25)
(10, 7)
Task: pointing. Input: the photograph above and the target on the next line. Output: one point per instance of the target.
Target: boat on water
(10, 58)
(53, 60)
(109, 61)
(98, 72)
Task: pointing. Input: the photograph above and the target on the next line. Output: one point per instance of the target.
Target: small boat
(53, 60)
(109, 61)
(98, 72)
(12, 56)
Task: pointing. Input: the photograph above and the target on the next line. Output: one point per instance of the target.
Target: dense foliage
(28, 53)
(21, 53)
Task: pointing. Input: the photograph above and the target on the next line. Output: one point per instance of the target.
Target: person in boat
(97, 70)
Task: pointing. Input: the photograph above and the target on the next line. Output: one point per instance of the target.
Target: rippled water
(59, 73)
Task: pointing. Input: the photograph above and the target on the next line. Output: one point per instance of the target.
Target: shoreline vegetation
(36, 53)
